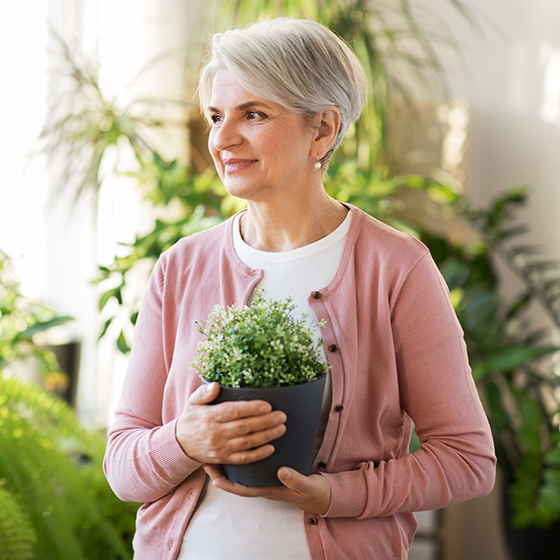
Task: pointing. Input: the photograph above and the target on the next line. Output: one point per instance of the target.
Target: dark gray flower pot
(302, 405)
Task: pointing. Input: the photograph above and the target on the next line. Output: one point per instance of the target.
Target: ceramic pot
(296, 448)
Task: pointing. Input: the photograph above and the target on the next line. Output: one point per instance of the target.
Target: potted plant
(262, 352)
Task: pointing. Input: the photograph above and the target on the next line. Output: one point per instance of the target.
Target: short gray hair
(297, 63)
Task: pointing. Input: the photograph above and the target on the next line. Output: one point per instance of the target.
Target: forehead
(229, 94)
(227, 89)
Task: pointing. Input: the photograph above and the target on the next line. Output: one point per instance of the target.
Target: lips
(235, 165)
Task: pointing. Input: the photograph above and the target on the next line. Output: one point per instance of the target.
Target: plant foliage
(260, 345)
(22, 319)
(512, 361)
(54, 500)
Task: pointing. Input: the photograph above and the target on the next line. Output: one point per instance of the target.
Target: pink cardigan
(397, 355)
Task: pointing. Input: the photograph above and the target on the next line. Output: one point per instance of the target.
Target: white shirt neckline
(243, 249)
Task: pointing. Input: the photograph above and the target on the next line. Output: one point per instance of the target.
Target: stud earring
(318, 165)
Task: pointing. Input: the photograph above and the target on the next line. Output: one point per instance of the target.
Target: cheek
(211, 144)
(214, 153)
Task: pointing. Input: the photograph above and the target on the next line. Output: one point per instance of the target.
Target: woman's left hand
(310, 493)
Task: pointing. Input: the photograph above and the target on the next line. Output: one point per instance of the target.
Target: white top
(229, 527)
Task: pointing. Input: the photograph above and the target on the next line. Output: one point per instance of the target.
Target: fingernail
(209, 387)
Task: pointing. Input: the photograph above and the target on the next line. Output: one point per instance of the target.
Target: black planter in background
(68, 357)
(296, 448)
(529, 543)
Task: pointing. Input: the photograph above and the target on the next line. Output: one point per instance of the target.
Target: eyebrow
(243, 106)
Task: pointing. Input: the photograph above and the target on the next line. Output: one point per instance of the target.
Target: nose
(225, 136)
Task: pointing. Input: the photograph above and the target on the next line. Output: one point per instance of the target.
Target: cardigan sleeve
(456, 461)
(144, 460)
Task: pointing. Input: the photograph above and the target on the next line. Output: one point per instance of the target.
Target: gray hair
(299, 64)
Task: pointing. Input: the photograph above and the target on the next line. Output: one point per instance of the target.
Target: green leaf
(16, 532)
(113, 292)
(42, 326)
(519, 305)
(552, 458)
(105, 328)
(512, 358)
(122, 343)
(531, 421)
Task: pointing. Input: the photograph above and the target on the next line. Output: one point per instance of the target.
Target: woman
(280, 97)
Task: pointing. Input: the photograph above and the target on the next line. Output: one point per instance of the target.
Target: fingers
(232, 432)
(205, 394)
(235, 410)
(208, 392)
(253, 426)
(309, 493)
(313, 492)
(213, 471)
(245, 441)
(292, 479)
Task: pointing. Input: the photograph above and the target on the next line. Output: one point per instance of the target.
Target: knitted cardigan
(397, 356)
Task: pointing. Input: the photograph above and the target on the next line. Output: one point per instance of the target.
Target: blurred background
(104, 166)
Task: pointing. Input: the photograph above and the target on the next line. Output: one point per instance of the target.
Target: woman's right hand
(232, 432)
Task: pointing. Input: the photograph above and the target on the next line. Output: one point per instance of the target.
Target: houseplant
(262, 352)
(55, 502)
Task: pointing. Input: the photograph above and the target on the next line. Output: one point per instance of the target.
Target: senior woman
(280, 97)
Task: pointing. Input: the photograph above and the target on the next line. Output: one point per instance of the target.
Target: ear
(327, 125)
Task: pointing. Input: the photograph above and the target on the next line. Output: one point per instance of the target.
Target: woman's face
(261, 150)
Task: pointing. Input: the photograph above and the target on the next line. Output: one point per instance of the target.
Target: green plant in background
(512, 361)
(79, 134)
(82, 124)
(54, 500)
(260, 345)
(20, 321)
(197, 201)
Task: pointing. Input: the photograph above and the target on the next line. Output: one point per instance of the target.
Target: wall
(511, 78)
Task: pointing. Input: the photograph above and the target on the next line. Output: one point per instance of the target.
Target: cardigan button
(339, 408)
(322, 466)
(333, 347)
(312, 521)
(316, 295)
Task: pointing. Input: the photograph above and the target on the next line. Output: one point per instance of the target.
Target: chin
(239, 189)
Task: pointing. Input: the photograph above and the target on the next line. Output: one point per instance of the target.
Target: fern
(50, 468)
(16, 532)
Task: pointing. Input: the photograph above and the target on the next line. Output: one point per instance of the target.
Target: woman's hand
(232, 432)
(310, 493)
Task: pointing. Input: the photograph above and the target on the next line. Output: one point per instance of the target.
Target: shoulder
(203, 246)
(392, 260)
(379, 240)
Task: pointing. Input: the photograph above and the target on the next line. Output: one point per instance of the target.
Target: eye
(216, 119)
(255, 115)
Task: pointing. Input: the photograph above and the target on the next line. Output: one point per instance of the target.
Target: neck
(290, 224)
